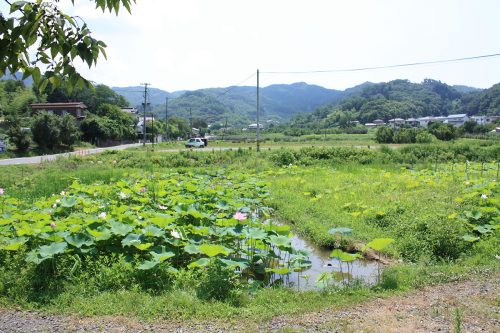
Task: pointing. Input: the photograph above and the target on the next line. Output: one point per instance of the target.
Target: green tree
(444, 132)
(69, 132)
(424, 137)
(405, 135)
(55, 38)
(384, 135)
(17, 135)
(46, 130)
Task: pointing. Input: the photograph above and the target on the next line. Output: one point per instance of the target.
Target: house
(378, 122)
(482, 120)
(140, 124)
(456, 119)
(396, 122)
(424, 121)
(76, 109)
(413, 122)
(254, 126)
(131, 111)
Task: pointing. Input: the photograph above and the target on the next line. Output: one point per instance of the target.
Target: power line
(234, 86)
(383, 67)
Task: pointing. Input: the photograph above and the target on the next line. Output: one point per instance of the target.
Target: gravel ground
(432, 309)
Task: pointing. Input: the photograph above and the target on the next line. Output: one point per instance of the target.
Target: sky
(194, 44)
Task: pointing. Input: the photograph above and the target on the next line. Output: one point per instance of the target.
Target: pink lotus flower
(142, 190)
(240, 216)
(53, 225)
(1, 191)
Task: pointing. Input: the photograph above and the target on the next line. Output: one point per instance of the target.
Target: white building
(254, 126)
(481, 120)
(456, 119)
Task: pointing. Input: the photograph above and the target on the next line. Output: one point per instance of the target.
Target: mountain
(278, 102)
(28, 82)
(402, 99)
(465, 89)
(135, 94)
(485, 102)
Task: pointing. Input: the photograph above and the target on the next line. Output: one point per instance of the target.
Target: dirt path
(433, 309)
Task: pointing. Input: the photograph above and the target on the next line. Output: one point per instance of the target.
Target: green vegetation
(55, 38)
(169, 242)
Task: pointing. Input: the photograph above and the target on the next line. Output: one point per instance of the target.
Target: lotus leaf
(202, 262)
(69, 201)
(79, 239)
(378, 244)
(120, 229)
(212, 250)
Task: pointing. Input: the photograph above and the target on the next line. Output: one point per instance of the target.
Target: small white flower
(175, 234)
(99, 162)
(58, 200)
(63, 193)
(484, 196)
(467, 183)
(123, 195)
(162, 207)
(54, 206)
(102, 215)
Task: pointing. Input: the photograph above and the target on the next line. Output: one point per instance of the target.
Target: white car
(195, 143)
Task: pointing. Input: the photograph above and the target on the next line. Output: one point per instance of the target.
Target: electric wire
(383, 67)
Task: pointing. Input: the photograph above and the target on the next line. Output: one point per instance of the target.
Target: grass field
(443, 217)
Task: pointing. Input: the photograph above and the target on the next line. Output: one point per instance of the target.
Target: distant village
(456, 120)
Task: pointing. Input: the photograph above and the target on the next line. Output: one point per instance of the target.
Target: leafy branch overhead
(37, 35)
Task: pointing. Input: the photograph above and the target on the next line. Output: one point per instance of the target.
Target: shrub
(424, 137)
(384, 135)
(46, 129)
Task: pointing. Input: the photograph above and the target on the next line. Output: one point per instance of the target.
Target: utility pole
(144, 117)
(166, 118)
(225, 128)
(153, 131)
(190, 123)
(258, 110)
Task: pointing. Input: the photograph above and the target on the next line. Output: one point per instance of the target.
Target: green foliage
(56, 38)
(50, 130)
(46, 130)
(17, 135)
(384, 135)
(424, 137)
(69, 132)
(445, 132)
(168, 221)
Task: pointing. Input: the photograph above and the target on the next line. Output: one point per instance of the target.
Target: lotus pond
(218, 242)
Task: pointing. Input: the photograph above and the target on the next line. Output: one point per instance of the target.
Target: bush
(283, 157)
(424, 137)
(384, 135)
(444, 132)
(405, 135)
(46, 130)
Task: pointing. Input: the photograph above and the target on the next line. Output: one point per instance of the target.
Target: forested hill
(404, 99)
(238, 104)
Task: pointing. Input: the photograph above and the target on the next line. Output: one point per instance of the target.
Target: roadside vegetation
(169, 235)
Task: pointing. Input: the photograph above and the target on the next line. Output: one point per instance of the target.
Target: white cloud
(189, 44)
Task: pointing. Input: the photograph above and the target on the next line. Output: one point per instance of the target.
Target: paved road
(40, 159)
